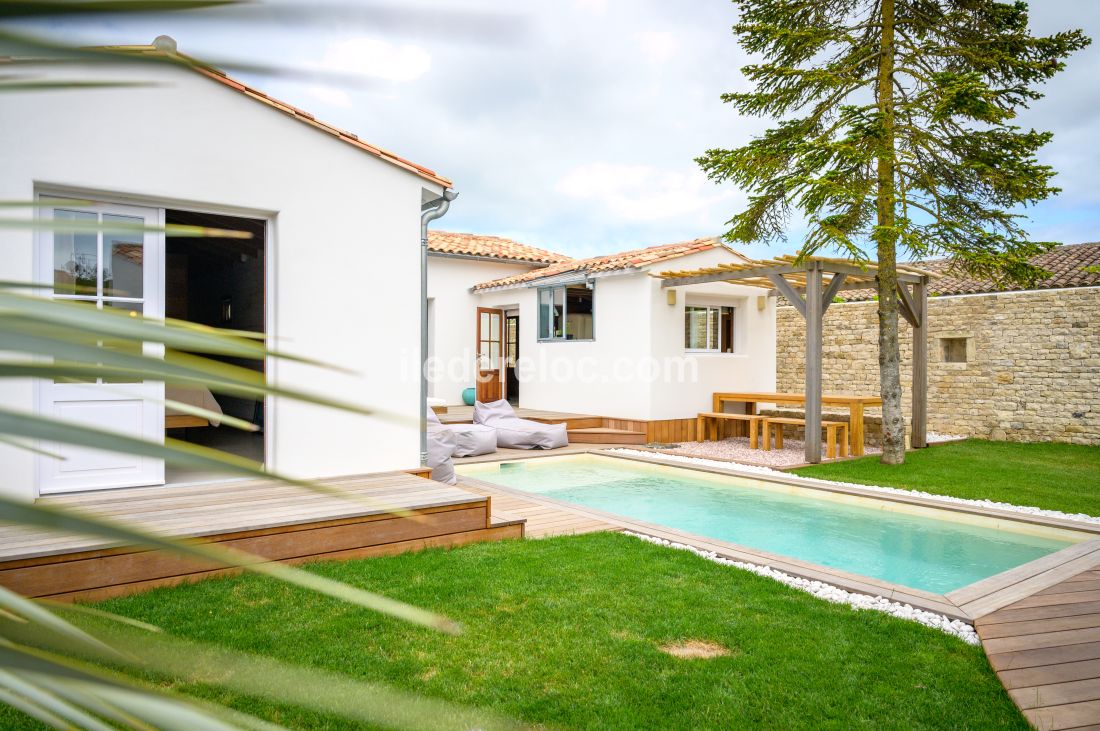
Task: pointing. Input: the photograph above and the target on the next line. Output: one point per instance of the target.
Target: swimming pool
(919, 547)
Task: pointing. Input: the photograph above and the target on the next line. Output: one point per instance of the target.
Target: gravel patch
(737, 449)
(725, 464)
(834, 594)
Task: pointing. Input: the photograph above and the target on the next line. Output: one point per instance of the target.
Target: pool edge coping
(968, 603)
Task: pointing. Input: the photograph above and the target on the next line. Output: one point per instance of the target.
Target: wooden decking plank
(1067, 587)
(1044, 656)
(1042, 639)
(1075, 597)
(1057, 694)
(215, 524)
(1048, 674)
(1062, 718)
(1050, 611)
(1020, 629)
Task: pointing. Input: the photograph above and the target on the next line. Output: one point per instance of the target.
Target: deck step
(604, 435)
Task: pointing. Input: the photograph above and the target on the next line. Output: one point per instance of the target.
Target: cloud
(579, 133)
(658, 46)
(639, 192)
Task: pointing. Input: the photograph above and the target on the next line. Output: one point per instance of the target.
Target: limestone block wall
(1031, 370)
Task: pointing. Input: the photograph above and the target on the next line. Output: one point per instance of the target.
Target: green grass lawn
(566, 632)
(1053, 476)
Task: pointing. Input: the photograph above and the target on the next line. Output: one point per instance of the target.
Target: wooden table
(855, 405)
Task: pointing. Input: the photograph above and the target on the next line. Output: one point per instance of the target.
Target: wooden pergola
(810, 286)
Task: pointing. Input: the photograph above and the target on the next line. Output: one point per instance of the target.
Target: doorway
(217, 282)
(511, 356)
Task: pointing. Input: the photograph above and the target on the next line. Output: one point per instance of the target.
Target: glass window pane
(124, 254)
(727, 330)
(79, 338)
(559, 312)
(494, 327)
(133, 309)
(545, 303)
(695, 328)
(75, 259)
(494, 354)
(712, 328)
(578, 312)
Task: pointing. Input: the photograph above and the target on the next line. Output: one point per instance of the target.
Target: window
(102, 269)
(708, 328)
(954, 350)
(565, 312)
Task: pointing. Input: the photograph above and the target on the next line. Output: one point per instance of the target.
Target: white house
(457, 262)
(329, 273)
(599, 336)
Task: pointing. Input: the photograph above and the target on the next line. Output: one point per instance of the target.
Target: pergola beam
(731, 275)
(788, 291)
(830, 291)
(908, 306)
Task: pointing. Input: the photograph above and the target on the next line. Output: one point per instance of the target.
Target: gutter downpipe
(427, 216)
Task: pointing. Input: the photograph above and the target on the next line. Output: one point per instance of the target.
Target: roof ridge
(618, 261)
(216, 74)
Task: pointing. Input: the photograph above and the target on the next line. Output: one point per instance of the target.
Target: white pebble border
(1024, 509)
(834, 594)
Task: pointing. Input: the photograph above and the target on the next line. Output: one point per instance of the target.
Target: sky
(573, 125)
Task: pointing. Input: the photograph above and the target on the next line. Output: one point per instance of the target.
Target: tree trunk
(886, 236)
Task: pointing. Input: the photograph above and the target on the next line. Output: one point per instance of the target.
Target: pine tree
(896, 133)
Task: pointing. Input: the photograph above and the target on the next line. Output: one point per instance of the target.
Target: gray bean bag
(471, 440)
(441, 445)
(518, 433)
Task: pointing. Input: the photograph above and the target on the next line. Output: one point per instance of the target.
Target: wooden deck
(1045, 648)
(393, 512)
(465, 415)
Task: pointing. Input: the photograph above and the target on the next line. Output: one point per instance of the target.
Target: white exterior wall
(343, 258)
(453, 319)
(637, 334)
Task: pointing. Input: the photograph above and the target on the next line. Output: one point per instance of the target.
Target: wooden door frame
(500, 348)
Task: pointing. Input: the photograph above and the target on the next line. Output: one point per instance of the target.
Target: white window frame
(591, 286)
(712, 311)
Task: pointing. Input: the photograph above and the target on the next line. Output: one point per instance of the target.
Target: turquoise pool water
(863, 536)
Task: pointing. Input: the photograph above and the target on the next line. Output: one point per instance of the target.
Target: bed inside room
(217, 282)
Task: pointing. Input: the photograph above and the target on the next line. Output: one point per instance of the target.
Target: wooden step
(604, 435)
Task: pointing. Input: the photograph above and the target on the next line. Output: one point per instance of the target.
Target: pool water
(933, 550)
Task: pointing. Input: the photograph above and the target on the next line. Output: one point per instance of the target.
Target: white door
(120, 270)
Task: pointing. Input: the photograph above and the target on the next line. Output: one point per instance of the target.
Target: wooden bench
(706, 424)
(831, 429)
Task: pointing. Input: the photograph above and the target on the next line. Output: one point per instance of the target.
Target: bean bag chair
(471, 440)
(518, 433)
(441, 445)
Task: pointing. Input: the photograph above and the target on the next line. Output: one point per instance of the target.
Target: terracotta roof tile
(492, 247)
(625, 260)
(1066, 265)
(221, 77)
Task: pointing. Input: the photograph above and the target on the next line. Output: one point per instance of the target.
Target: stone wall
(1032, 370)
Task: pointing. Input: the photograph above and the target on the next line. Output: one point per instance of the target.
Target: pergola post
(814, 318)
(919, 438)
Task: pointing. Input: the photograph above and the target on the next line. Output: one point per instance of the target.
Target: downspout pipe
(437, 209)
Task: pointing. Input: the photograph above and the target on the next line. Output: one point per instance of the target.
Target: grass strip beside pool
(576, 633)
(1062, 477)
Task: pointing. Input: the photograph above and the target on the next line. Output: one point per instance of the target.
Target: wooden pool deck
(392, 512)
(1045, 648)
